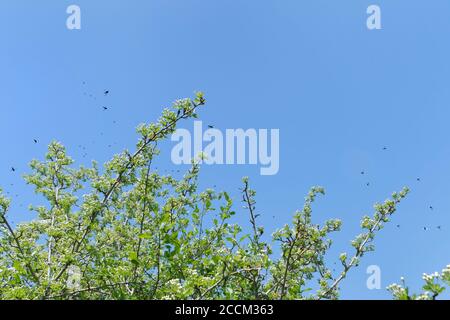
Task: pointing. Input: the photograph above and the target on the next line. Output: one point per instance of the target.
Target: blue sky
(338, 92)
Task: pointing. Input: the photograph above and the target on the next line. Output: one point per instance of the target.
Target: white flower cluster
(191, 273)
(174, 284)
(174, 287)
(430, 277)
(424, 296)
(397, 290)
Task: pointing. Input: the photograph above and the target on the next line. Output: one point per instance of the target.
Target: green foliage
(124, 231)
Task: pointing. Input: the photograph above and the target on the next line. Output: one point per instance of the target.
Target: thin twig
(19, 247)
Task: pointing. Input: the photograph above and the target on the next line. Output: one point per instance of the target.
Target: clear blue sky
(338, 93)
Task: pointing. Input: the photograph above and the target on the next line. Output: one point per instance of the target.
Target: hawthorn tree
(123, 231)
